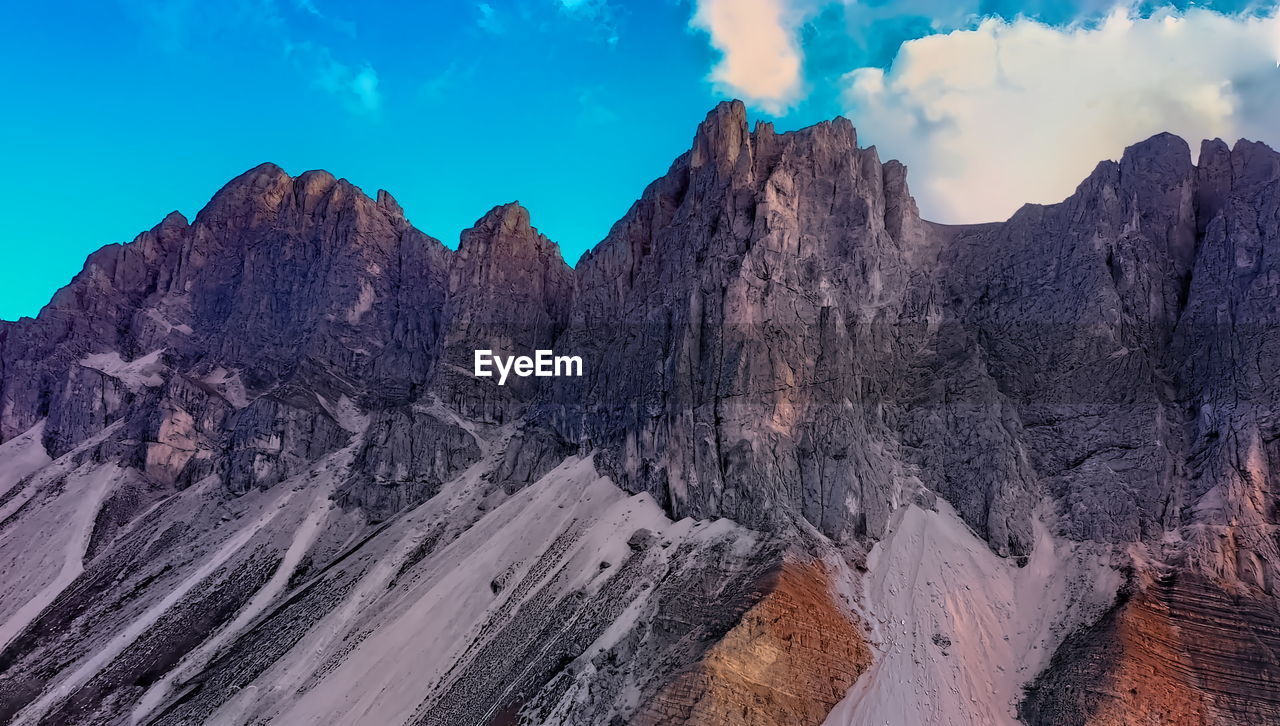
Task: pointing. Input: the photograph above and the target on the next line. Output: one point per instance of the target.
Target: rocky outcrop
(509, 292)
(755, 388)
(1181, 651)
(789, 659)
(405, 456)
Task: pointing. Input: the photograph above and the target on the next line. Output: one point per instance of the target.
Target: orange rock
(787, 662)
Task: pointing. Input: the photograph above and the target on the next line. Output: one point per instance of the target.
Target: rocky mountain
(827, 462)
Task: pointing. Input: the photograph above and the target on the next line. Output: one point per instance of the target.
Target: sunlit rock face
(1183, 650)
(788, 660)
(826, 462)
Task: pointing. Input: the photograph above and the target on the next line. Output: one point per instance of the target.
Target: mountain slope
(827, 460)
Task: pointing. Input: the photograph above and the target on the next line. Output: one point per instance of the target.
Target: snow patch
(144, 372)
(229, 386)
(345, 412)
(364, 303)
(167, 325)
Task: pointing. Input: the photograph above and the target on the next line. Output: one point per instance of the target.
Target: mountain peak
(173, 220)
(509, 217)
(263, 175)
(505, 231)
(263, 181)
(1254, 162)
(721, 135)
(1164, 155)
(314, 183)
(779, 370)
(267, 168)
(389, 204)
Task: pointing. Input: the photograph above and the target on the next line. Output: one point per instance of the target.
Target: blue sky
(118, 111)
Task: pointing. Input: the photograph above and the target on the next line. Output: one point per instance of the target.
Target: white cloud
(761, 60)
(1018, 111)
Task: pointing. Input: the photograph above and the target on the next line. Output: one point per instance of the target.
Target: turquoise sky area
(116, 112)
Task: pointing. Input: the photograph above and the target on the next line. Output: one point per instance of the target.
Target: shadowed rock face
(779, 354)
(509, 291)
(753, 295)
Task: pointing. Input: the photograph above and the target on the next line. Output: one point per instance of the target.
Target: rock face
(247, 475)
(754, 389)
(790, 658)
(1181, 651)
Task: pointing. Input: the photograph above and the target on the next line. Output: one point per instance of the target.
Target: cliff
(246, 472)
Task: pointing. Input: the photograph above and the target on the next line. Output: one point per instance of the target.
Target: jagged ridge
(772, 336)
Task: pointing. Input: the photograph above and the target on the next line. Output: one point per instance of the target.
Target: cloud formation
(356, 87)
(1019, 111)
(761, 58)
(765, 45)
(290, 28)
(598, 12)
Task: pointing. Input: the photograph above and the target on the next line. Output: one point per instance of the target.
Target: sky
(116, 112)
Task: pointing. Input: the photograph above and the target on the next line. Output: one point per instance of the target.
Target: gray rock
(771, 335)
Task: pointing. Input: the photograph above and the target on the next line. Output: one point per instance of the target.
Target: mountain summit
(827, 461)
